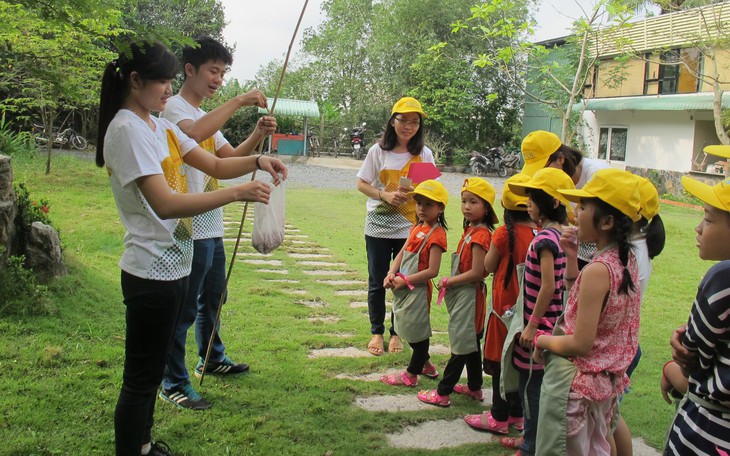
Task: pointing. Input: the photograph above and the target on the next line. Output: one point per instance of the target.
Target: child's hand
(388, 282)
(527, 335)
(398, 282)
(537, 356)
(666, 389)
(442, 283)
(569, 241)
(686, 359)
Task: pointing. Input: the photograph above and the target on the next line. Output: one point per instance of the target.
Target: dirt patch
(295, 292)
(323, 272)
(320, 263)
(309, 255)
(330, 319)
(342, 282)
(434, 435)
(312, 304)
(347, 352)
(359, 304)
(281, 280)
(264, 262)
(351, 292)
(273, 271)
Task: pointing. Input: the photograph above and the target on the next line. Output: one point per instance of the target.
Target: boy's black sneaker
(225, 367)
(160, 448)
(185, 397)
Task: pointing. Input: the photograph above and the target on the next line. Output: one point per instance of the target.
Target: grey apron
(460, 302)
(513, 319)
(552, 424)
(412, 321)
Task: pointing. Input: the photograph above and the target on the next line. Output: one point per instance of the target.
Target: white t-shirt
(381, 169)
(641, 252)
(210, 224)
(154, 249)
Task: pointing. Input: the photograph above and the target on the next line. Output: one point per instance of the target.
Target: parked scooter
(491, 162)
(357, 141)
(513, 161)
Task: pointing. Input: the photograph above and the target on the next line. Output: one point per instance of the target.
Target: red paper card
(420, 172)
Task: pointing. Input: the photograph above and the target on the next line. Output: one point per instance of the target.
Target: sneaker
(492, 425)
(185, 397)
(225, 367)
(517, 422)
(463, 389)
(160, 448)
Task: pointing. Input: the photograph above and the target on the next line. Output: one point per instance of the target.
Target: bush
(14, 143)
(20, 294)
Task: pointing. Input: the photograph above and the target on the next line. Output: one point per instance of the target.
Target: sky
(262, 30)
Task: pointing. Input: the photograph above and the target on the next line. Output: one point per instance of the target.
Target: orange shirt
(415, 239)
(481, 236)
(505, 297)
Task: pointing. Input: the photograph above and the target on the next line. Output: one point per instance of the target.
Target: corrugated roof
(289, 107)
(683, 102)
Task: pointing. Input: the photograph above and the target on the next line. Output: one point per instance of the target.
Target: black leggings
(419, 357)
(501, 409)
(151, 316)
(452, 373)
(381, 252)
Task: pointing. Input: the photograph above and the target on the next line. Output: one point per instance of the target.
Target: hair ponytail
(110, 100)
(655, 236)
(622, 235)
(510, 218)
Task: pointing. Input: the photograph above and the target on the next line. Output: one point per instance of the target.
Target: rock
(8, 209)
(43, 252)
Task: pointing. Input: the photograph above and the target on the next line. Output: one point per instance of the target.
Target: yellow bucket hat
(617, 188)
(510, 200)
(433, 190)
(720, 151)
(483, 190)
(537, 147)
(408, 104)
(548, 180)
(717, 195)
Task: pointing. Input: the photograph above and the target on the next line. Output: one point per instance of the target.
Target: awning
(288, 107)
(683, 102)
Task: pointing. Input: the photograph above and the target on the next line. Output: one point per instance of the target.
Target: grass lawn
(60, 374)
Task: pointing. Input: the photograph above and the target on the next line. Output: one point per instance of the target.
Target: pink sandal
(464, 389)
(517, 422)
(430, 372)
(399, 379)
(434, 398)
(492, 425)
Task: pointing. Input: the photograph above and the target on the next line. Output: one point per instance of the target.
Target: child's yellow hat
(648, 198)
(407, 104)
(549, 180)
(433, 190)
(717, 195)
(510, 200)
(720, 151)
(483, 190)
(537, 147)
(614, 187)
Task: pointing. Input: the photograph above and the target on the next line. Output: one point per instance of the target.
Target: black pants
(381, 252)
(452, 373)
(501, 409)
(151, 316)
(419, 356)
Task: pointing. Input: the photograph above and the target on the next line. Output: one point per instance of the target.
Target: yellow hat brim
(704, 192)
(531, 168)
(720, 150)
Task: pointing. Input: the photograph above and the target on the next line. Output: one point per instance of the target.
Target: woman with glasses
(390, 213)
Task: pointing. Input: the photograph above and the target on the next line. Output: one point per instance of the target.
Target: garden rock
(43, 252)
(7, 207)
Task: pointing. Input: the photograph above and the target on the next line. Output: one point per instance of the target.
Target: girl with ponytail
(508, 249)
(597, 337)
(146, 158)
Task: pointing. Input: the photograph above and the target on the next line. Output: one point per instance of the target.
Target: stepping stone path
(303, 255)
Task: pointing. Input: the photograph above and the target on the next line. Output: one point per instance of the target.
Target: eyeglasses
(412, 123)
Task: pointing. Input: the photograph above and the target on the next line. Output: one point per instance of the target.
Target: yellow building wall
(723, 68)
(632, 84)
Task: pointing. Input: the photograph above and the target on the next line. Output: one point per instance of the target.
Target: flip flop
(398, 379)
(395, 344)
(375, 346)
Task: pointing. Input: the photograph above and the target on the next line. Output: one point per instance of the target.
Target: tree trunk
(717, 102)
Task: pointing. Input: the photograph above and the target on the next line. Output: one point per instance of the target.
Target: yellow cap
(433, 190)
(483, 190)
(648, 198)
(407, 104)
(511, 200)
(549, 180)
(717, 195)
(720, 151)
(615, 187)
(537, 147)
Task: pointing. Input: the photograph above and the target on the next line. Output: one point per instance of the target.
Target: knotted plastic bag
(268, 221)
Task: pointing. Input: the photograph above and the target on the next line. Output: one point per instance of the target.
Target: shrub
(20, 294)
(14, 143)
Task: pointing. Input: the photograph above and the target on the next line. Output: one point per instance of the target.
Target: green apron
(412, 321)
(552, 424)
(513, 319)
(460, 302)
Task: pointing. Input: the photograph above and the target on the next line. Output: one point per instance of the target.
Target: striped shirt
(703, 429)
(547, 239)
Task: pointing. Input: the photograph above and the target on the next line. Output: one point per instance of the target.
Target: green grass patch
(61, 373)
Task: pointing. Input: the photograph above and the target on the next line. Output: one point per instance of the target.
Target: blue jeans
(207, 279)
(152, 309)
(530, 396)
(381, 252)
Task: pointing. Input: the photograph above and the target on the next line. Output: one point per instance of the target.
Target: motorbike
(357, 141)
(513, 161)
(61, 138)
(491, 162)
